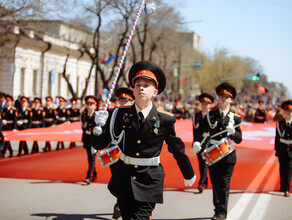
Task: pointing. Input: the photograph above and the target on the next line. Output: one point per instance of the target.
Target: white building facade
(32, 64)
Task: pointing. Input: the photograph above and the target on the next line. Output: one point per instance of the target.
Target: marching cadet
(73, 116)
(138, 178)
(219, 125)
(49, 118)
(37, 120)
(125, 98)
(62, 115)
(9, 121)
(206, 100)
(24, 122)
(283, 147)
(87, 120)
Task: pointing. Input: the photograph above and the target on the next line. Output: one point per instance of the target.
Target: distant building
(194, 40)
(32, 62)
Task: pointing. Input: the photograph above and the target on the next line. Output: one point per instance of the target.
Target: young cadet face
(205, 106)
(144, 90)
(224, 101)
(288, 114)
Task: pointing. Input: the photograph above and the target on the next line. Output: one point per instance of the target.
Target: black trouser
(7, 146)
(203, 170)
(91, 161)
(134, 210)
(220, 174)
(22, 146)
(285, 173)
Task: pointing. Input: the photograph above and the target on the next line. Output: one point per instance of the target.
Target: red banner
(255, 135)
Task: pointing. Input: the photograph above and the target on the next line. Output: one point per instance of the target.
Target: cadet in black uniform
(221, 119)
(73, 116)
(37, 120)
(138, 178)
(87, 120)
(125, 98)
(24, 122)
(283, 147)
(50, 114)
(9, 120)
(205, 100)
(62, 116)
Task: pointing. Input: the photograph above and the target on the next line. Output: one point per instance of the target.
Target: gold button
(136, 166)
(220, 128)
(137, 154)
(220, 135)
(134, 177)
(139, 141)
(288, 135)
(124, 126)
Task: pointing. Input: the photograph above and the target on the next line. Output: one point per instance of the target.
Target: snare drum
(109, 156)
(218, 151)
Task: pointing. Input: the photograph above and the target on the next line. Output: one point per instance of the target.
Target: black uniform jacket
(10, 115)
(215, 125)
(283, 131)
(198, 128)
(143, 183)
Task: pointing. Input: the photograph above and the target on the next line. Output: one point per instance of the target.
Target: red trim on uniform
(145, 74)
(9, 99)
(225, 92)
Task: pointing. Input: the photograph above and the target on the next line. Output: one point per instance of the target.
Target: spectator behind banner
(37, 120)
(260, 113)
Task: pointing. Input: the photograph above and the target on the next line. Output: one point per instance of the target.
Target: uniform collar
(144, 111)
(225, 112)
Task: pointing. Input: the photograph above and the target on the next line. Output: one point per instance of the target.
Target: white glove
(101, 117)
(190, 182)
(4, 122)
(230, 130)
(19, 123)
(196, 147)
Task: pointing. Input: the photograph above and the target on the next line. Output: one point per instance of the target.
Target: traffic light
(256, 77)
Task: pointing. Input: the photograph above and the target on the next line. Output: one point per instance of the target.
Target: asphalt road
(33, 199)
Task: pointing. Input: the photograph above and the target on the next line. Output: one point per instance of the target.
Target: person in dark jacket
(260, 113)
(205, 101)
(50, 114)
(62, 116)
(9, 121)
(87, 121)
(219, 125)
(73, 116)
(138, 179)
(23, 122)
(37, 120)
(283, 147)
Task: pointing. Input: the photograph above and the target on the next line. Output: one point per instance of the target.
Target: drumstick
(214, 135)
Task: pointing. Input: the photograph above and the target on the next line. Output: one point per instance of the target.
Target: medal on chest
(156, 126)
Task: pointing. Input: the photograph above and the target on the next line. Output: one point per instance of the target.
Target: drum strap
(115, 139)
(281, 134)
(212, 126)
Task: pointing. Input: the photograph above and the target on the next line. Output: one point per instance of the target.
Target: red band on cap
(145, 74)
(37, 101)
(24, 99)
(9, 99)
(225, 92)
(288, 107)
(125, 96)
(206, 99)
(49, 99)
(91, 100)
